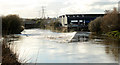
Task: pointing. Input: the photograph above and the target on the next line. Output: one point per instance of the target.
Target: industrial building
(77, 21)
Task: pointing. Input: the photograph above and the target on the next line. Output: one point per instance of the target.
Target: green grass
(114, 34)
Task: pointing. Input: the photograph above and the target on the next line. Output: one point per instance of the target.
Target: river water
(45, 46)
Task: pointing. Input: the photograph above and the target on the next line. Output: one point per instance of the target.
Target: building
(77, 21)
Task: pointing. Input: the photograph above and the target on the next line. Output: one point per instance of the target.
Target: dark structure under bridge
(77, 22)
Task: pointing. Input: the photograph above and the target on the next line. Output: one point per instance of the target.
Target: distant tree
(110, 21)
(43, 24)
(11, 24)
(94, 26)
(55, 24)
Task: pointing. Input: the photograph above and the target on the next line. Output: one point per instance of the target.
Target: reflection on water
(44, 46)
(113, 48)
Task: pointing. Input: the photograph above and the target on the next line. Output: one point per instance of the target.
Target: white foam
(51, 36)
(61, 37)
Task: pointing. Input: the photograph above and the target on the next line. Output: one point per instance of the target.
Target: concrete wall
(63, 20)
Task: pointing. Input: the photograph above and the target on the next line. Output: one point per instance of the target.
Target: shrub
(94, 26)
(109, 22)
(11, 24)
(8, 56)
(54, 24)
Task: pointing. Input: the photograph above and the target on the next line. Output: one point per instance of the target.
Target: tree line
(52, 24)
(108, 24)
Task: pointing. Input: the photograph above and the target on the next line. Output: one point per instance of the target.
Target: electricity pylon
(43, 12)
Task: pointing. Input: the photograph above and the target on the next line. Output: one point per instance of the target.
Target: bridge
(77, 21)
(29, 23)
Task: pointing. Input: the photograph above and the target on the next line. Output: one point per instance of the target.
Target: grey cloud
(96, 10)
(56, 5)
(103, 3)
(8, 6)
(33, 7)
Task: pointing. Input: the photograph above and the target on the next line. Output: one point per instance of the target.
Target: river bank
(9, 57)
(108, 25)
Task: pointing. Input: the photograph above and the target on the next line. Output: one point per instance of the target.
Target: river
(45, 46)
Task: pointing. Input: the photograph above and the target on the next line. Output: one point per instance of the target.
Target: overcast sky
(53, 8)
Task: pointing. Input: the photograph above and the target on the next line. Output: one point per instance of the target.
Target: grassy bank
(8, 56)
(11, 24)
(114, 35)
